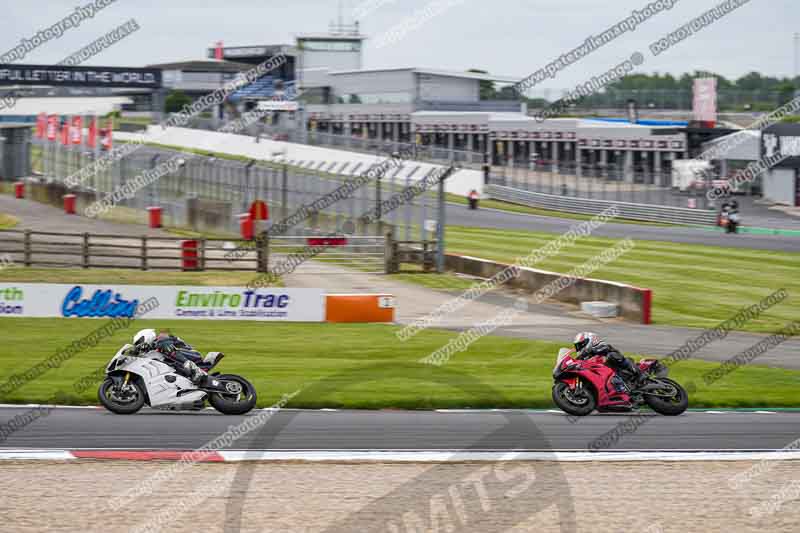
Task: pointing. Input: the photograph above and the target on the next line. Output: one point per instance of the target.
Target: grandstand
(264, 88)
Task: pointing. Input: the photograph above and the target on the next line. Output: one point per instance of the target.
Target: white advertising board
(705, 99)
(182, 302)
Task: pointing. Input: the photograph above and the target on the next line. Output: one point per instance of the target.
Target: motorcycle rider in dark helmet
(589, 344)
(177, 353)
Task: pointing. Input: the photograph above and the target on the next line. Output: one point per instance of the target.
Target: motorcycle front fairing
(595, 371)
(561, 371)
(162, 383)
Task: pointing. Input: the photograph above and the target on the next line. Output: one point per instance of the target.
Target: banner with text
(182, 302)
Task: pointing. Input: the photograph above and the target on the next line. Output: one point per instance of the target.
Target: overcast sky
(507, 37)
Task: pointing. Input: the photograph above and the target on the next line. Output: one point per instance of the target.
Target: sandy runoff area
(652, 497)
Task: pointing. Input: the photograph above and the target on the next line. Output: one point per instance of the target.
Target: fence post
(27, 245)
(390, 253)
(285, 192)
(441, 222)
(85, 250)
(247, 185)
(144, 252)
(202, 254)
(378, 207)
(262, 252)
(153, 187)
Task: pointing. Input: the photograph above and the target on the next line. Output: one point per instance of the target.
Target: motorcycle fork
(127, 377)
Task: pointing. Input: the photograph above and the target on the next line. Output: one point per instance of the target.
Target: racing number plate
(386, 302)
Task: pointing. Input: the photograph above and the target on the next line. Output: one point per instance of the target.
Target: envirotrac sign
(183, 302)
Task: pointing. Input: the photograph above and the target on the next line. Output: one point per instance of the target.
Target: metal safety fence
(649, 181)
(644, 212)
(207, 193)
(607, 184)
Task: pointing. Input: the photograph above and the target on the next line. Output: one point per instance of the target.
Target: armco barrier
(634, 303)
(644, 212)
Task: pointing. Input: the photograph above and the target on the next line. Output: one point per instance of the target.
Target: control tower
(320, 53)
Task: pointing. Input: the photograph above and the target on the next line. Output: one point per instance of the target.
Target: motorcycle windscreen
(563, 353)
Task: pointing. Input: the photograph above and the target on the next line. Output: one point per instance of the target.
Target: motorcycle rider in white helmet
(589, 344)
(177, 353)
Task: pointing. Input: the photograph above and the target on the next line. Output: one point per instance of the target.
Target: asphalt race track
(289, 429)
(460, 215)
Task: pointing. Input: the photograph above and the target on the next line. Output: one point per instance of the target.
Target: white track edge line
(447, 456)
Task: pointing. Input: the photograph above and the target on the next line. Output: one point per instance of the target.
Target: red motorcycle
(583, 385)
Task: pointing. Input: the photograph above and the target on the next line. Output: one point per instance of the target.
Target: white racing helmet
(145, 336)
(584, 340)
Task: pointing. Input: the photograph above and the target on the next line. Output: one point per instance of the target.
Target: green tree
(786, 92)
(487, 89)
(507, 93)
(175, 101)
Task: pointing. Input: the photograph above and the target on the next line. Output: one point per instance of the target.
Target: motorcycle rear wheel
(234, 404)
(107, 394)
(669, 406)
(577, 402)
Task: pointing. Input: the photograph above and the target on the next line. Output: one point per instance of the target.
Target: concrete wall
(401, 81)
(361, 109)
(779, 185)
(444, 88)
(634, 303)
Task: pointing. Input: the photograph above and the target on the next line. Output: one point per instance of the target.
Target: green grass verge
(693, 285)
(8, 221)
(447, 281)
(527, 210)
(139, 121)
(357, 366)
(101, 276)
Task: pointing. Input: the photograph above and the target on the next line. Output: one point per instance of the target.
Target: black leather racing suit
(615, 360)
(177, 351)
(178, 354)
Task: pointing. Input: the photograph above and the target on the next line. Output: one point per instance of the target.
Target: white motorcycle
(135, 380)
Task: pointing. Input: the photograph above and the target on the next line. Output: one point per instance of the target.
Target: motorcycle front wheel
(122, 401)
(576, 402)
(669, 405)
(239, 399)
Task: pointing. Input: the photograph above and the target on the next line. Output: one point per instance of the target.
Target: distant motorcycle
(583, 385)
(133, 381)
(730, 221)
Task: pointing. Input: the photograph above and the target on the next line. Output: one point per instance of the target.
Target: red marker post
(69, 204)
(154, 214)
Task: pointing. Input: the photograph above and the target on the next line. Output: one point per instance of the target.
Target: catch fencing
(641, 183)
(208, 194)
(644, 212)
(606, 184)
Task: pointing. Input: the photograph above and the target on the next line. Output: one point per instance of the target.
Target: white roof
(332, 36)
(435, 72)
(66, 105)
